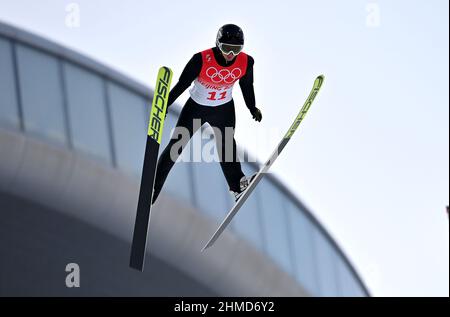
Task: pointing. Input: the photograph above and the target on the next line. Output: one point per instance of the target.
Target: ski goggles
(230, 48)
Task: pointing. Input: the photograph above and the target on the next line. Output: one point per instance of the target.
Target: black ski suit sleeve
(190, 72)
(246, 83)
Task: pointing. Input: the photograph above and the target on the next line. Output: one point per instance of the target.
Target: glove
(256, 113)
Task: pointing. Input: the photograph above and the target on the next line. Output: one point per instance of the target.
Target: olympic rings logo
(223, 75)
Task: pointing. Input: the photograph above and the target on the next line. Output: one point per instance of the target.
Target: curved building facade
(72, 139)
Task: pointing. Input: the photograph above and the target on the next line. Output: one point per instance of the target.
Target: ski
(154, 136)
(317, 84)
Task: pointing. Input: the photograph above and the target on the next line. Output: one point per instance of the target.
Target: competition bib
(214, 86)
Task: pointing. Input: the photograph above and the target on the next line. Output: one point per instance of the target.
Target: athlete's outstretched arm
(190, 72)
(246, 83)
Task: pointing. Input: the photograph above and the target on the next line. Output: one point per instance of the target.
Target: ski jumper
(211, 102)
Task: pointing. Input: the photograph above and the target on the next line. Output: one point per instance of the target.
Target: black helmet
(230, 34)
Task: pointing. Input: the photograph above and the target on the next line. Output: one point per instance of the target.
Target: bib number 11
(213, 94)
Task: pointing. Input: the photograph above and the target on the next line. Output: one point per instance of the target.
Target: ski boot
(243, 185)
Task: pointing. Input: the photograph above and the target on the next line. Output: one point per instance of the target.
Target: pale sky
(371, 159)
